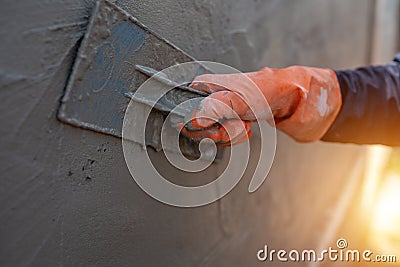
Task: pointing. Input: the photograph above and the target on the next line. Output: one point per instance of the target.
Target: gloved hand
(304, 102)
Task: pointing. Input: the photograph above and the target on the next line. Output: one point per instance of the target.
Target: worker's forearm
(370, 113)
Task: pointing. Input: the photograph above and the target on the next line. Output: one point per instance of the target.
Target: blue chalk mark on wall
(107, 79)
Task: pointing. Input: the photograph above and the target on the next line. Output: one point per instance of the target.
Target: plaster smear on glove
(322, 106)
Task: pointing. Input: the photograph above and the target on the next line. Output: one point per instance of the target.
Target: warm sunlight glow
(377, 157)
(385, 224)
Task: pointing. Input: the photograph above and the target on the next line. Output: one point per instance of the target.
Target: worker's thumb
(211, 83)
(218, 107)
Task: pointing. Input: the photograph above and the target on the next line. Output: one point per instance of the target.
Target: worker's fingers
(238, 140)
(228, 132)
(218, 107)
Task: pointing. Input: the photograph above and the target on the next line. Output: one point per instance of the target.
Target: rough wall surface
(66, 195)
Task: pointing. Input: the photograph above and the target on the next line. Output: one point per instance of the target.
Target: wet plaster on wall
(66, 195)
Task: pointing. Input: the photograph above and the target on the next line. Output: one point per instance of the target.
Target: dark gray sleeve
(370, 113)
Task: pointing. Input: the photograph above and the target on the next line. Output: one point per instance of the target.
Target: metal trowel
(118, 54)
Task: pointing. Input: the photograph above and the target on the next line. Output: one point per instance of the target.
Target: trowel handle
(159, 76)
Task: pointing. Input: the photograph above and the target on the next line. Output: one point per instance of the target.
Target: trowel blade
(104, 71)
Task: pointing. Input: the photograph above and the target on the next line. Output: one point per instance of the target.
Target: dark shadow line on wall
(74, 54)
(371, 22)
(398, 32)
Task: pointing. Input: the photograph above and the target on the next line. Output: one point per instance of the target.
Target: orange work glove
(304, 102)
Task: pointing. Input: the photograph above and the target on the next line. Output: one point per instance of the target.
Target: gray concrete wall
(66, 195)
